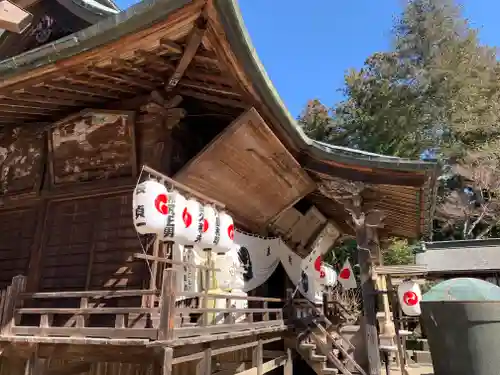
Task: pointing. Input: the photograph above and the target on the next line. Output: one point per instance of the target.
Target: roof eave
(149, 12)
(237, 35)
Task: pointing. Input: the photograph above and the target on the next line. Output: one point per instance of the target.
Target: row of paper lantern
(409, 293)
(172, 217)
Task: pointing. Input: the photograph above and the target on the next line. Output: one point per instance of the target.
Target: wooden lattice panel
(89, 244)
(17, 233)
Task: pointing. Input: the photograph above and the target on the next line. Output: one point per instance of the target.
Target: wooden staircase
(323, 347)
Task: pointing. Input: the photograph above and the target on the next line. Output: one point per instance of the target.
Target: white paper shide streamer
(150, 207)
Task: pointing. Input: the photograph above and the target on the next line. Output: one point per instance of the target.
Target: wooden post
(369, 312)
(167, 305)
(288, 369)
(206, 368)
(395, 305)
(258, 357)
(365, 225)
(325, 304)
(12, 301)
(149, 301)
(168, 357)
(289, 304)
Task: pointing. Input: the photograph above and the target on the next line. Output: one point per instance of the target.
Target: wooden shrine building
(462, 258)
(175, 85)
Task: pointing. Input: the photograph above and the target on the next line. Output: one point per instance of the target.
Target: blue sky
(306, 46)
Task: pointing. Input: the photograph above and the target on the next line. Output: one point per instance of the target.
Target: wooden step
(317, 358)
(307, 346)
(329, 371)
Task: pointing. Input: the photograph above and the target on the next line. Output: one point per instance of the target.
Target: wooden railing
(94, 317)
(212, 320)
(304, 308)
(115, 315)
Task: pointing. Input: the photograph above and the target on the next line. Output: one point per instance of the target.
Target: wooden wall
(65, 193)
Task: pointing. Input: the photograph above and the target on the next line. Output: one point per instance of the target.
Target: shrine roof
(466, 256)
(24, 78)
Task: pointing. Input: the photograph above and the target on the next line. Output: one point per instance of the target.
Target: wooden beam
(46, 95)
(214, 99)
(266, 367)
(120, 77)
(177, 48)
(168, 355)
(192, 46)
(151, 58)
(203, 86)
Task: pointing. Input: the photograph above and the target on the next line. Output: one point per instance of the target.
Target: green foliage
(317, 121)
(438, 89)
(399, 252)
(338, 254)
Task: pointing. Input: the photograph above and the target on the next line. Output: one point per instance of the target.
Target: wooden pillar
(168, 357)
(395, 305)
(206, 363)
(12, 302)
(369, 312)
(167, 305)
(288, 369)
(365, 225)
(258, 357)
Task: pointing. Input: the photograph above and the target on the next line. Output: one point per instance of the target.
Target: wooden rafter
(192, 46)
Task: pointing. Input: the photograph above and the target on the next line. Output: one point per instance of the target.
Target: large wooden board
(93, 145)
(249, 170)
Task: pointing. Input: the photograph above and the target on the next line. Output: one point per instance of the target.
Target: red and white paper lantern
(192, 217)
(172, 229)
(150, 207)
(211, 228)
(409, 295)
(226, 239)
(188, 222)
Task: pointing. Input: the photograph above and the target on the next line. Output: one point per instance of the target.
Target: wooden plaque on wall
(93, 145)
(21, 159)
